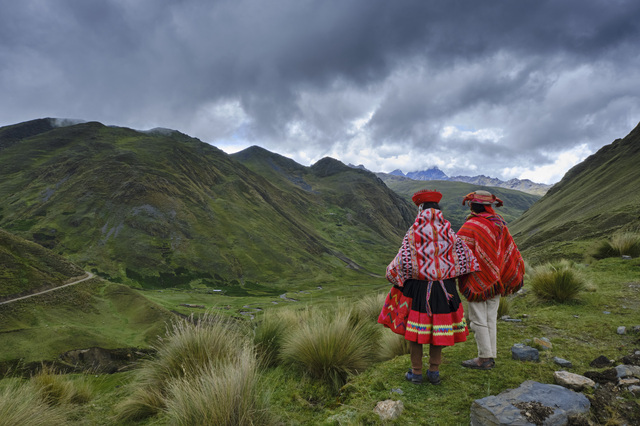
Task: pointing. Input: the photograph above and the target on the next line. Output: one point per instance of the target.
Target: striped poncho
(501, 265)
(431, 251)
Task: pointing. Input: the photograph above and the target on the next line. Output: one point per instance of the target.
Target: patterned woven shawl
(501, 265)
(431, 251)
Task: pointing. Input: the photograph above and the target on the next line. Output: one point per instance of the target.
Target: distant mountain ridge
(434, 173)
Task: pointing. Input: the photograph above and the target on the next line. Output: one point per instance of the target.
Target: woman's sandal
(413, 378)
(487, 365)
(434, 377)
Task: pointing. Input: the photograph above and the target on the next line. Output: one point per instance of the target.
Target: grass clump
(557, 281)
(331, 346)
(220, 395)
(504, 306)
(392, 345)
(621, 244)
(189, 347)
(57, 389)
(21, 405)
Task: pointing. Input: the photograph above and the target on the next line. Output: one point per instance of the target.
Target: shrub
(392, 345)
(189, 346)
(504, 307)
(621, 244)
(330, 347)
(220, 395)
(21, 405)
(368, 308)
(557, 281)
(56, 389)
(268, 336)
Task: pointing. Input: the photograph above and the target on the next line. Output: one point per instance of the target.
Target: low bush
(557, 281)
(621, 244)
(504, 307)
(392, 345)
(56, 389)
(21, 405)
(189, 346)
(268, 336)
(331, 346)
(227, 394)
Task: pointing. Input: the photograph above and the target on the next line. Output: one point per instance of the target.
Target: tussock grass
(21, 405)
(331, 346)
(557, 281)
(269, 334)
(392, 345)
(220, 395)
(368, 308)
(621, 244)
(504, 307)
(57, 389)
(189, 347)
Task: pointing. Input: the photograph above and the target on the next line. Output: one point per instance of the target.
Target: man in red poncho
(501, 272)
(423, 304)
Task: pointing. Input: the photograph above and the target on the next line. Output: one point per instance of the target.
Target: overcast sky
(512, 88)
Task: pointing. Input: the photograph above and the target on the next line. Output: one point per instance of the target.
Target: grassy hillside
(162, 209)
(92, 313)
(28, 267)
(594, 199)
(515, 202)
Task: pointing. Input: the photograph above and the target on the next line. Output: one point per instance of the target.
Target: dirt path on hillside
(88, 277)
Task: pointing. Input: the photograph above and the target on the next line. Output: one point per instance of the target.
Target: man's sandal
(471, 363)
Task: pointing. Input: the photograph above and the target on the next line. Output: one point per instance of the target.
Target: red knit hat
(426, 196)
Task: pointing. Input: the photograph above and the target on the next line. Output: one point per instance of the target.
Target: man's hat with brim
(482, 197)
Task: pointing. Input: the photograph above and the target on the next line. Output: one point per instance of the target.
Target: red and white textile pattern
(431, 251)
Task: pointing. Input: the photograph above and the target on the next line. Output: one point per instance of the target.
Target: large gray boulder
(532, 403)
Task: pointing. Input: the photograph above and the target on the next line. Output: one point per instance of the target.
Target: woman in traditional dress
(423, 304)
(501, 272)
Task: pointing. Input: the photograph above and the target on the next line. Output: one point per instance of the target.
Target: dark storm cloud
(363, 80)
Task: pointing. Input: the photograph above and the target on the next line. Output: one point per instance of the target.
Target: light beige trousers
(483, 317)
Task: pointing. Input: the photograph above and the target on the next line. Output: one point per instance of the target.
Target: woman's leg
(435, 357)
(416, 357)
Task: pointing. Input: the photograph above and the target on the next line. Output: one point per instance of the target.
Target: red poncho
(431, 251)
(501, 265)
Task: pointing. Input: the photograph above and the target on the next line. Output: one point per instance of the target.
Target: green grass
(558, 281)
(580, 332)
(92, 313)
(620, 244)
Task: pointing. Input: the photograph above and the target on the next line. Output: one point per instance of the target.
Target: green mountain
(163, 209)
(594, 199)
(515, 202)
(91, 313)
(28, 267)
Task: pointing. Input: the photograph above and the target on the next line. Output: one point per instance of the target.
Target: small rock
(636, 329)
(628, 382)
(634, 390)
(576, 316)
(505, 317)
(562, 362)
(520, 352)
(573, 381)
(606, 312)
(389, 409)
(628, 371)
(622, 330)
(625, 257)
(397, 390)
(544, 343)
(607, 376)
(600, 362)
(512, 320)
